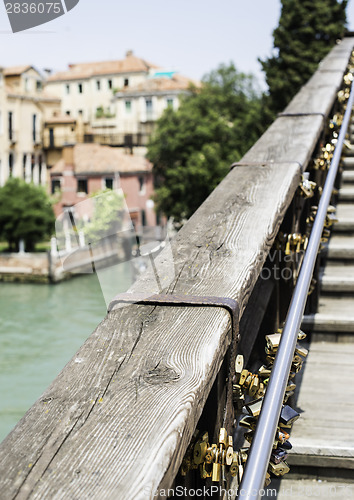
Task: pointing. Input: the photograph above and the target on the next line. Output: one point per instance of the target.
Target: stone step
(340, 247)
(345, 215)
(338, 278)
(346, 193)
(335, 314)
(348, 162)
(348, 177)
(300, 488)
(323, 436)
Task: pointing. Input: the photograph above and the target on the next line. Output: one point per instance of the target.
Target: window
(143, 217)
(51, 137)
(55, 185)
(148, 103)
(33, 164)
(80, 112)
(34, 128)
(82, 186)
(79, 87)
(126, 82)
(10, 123)
(40, 170)
(170, 103)
(110, 84)
(26, 84)
(67, 89)
(68, 113)
(98, 84)
(141, 184)
(38, 85)
(128, 106)
(11, 164)
(108, 183)
(24, 161)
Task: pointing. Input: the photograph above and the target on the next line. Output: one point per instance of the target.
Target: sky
(189, 36)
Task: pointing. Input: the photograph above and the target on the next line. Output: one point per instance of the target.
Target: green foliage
(106, 217)
(25, 213)
(307, 31)
(193, 147)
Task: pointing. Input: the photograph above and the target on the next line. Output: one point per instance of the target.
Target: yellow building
(24, 107)
(86, 89)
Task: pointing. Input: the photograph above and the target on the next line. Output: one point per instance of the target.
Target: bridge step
(306, 486)
(345, 215)
(340, 247)
(323, 436)
(346, 193)
(335, 314)
(348, 176)
(348, 162)
(337, 278)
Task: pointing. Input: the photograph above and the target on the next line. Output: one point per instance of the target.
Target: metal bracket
(230, 305)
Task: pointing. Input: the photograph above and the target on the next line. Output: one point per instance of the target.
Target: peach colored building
(24, 107)
(88, 168)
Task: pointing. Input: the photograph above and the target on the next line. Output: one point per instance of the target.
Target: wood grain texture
(289, 138)
(121, 413)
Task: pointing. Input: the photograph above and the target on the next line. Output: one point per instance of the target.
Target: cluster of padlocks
(254, 385)
(329, 221)
(215, 460)
(323, 160)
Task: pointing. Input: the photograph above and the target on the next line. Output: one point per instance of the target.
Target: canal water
(41, 328)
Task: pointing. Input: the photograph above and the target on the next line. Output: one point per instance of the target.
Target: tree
(307, 31)
(193, 147)
(25, 213)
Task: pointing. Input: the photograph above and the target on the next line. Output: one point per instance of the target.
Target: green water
(41, 328)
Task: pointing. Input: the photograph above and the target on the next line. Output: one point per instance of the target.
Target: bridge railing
(118, 419)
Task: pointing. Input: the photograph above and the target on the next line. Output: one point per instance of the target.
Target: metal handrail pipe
(252, 483)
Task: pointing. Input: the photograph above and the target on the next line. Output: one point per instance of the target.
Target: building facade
(86, 89)
(86, 169)
(24, 107)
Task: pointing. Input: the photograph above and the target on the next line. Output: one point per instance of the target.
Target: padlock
(243, 377)
(301, 351)
(248, 421)
(254, 407)
(229, 452)
(216, 472)
(254, 386)
(278, 456)
(288, 415)
(238, 367)
(223, 437)
(261, 391)
(285, 446)
(200, 449)
(273, 341)
(234, 464)
(206, 470)
(264, 372)
(279, 469)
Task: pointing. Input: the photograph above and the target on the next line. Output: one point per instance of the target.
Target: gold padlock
(279, 469)
(216, 472)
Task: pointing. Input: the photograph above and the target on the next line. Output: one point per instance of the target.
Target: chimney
(129, 53)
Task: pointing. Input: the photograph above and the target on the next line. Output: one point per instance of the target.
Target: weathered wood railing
(116, 424)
